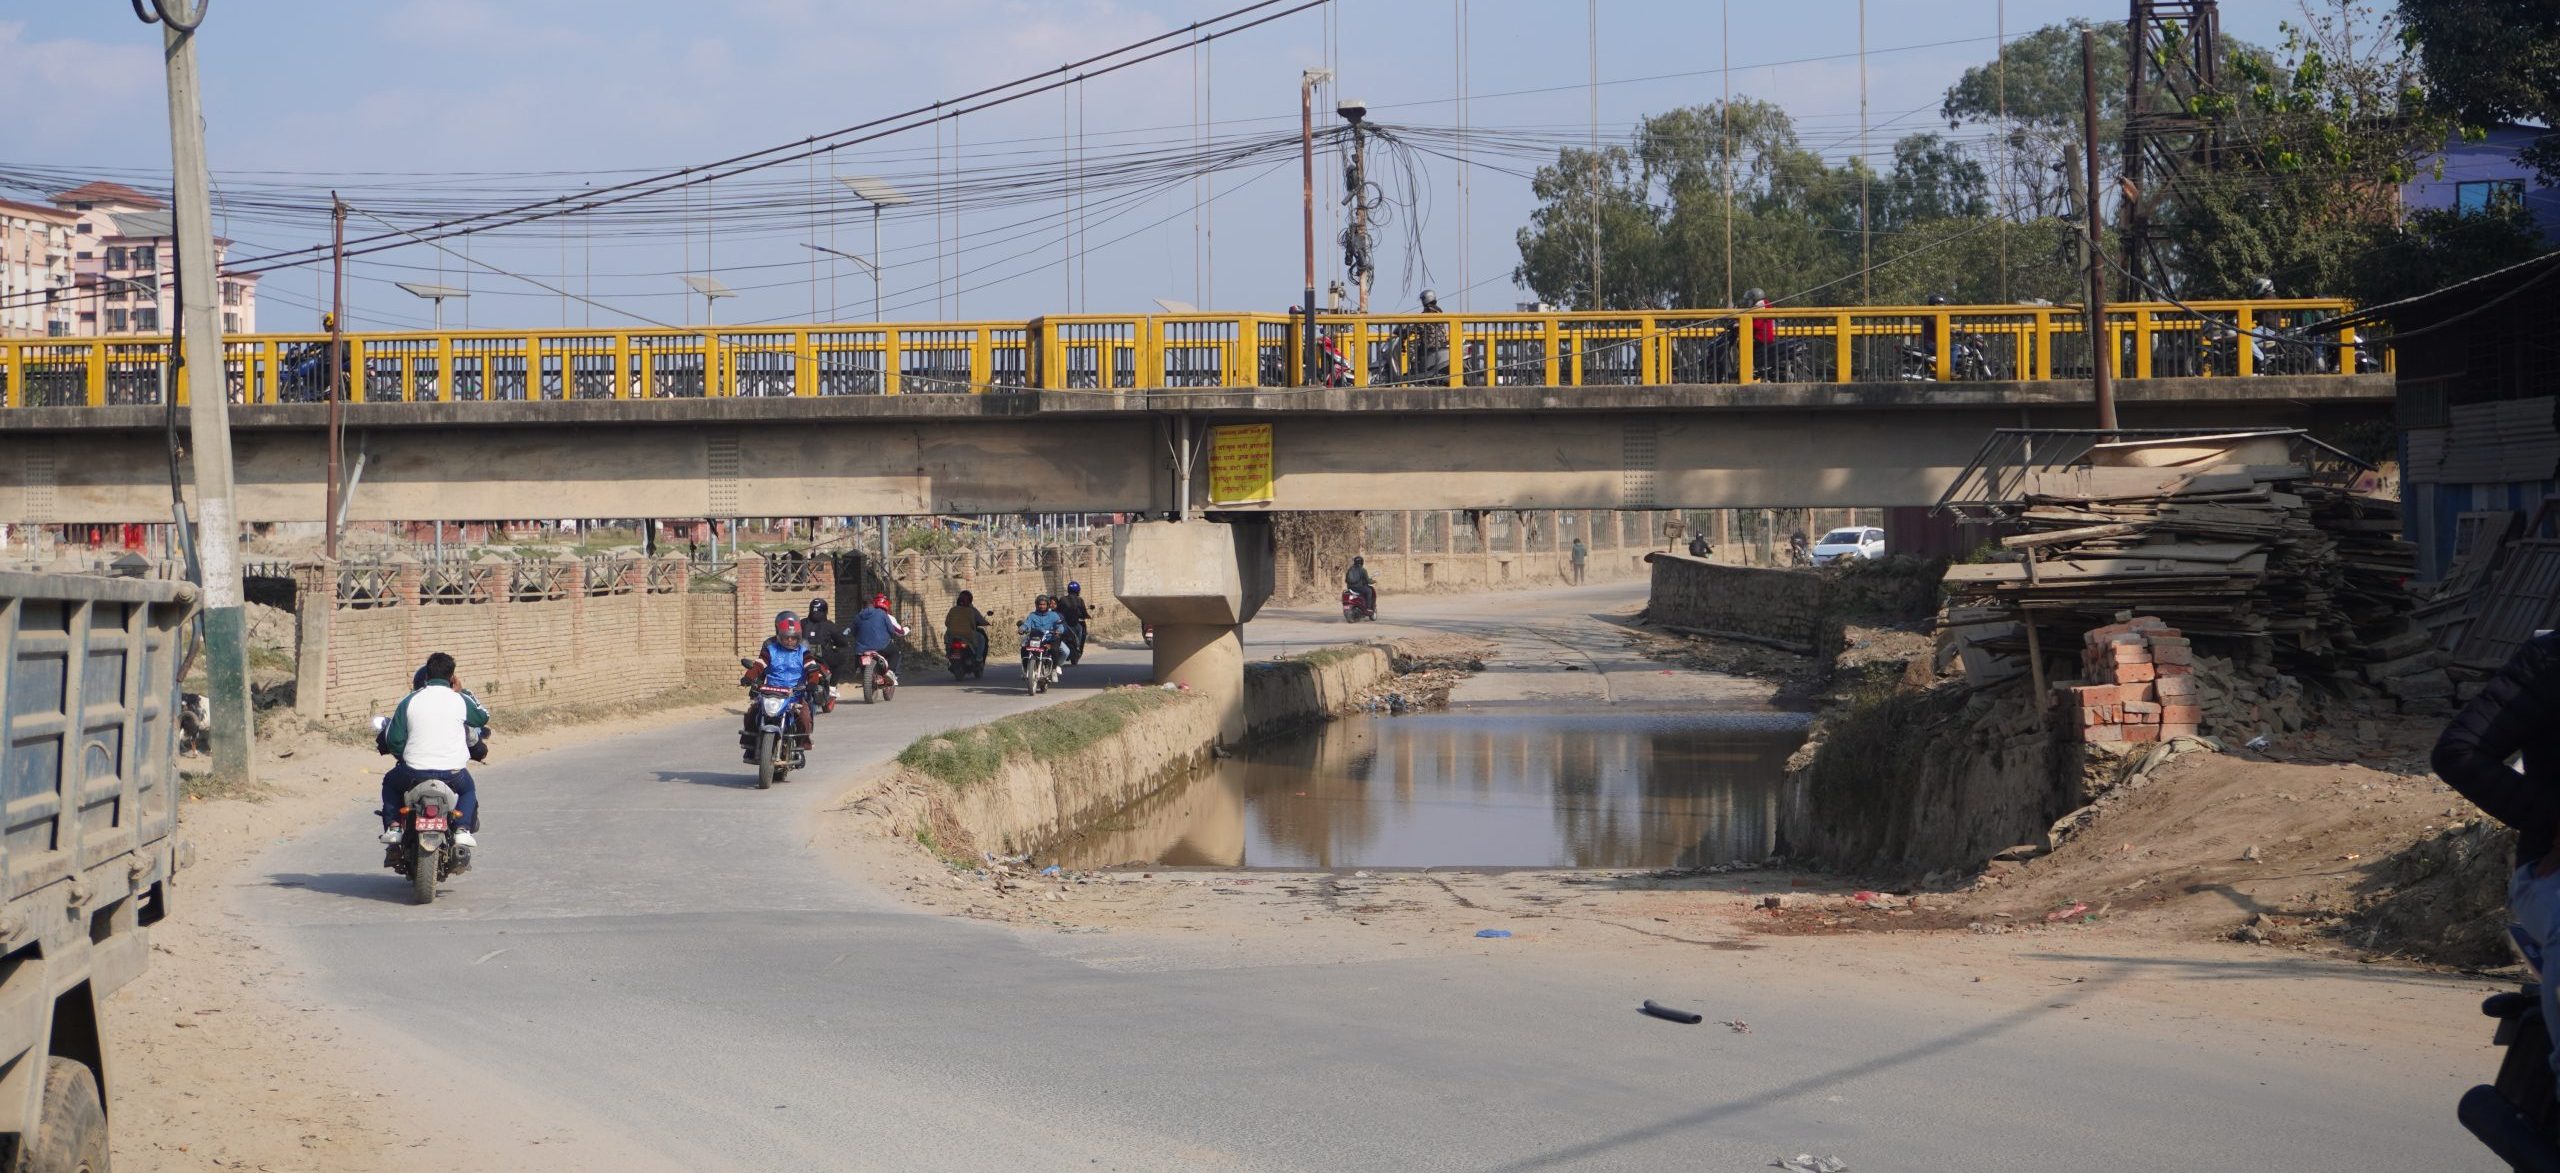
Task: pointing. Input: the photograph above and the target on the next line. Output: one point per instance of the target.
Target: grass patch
(1327, 657)
(966, 757)
(204, 787)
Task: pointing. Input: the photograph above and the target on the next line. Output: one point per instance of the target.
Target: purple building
(2479, 175)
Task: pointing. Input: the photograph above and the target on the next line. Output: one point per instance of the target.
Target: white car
(1849, 545)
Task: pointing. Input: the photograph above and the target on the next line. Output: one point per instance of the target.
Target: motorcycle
(877, 682)
(1040, 653)
(1333, 369)
(1968, 360)
(426, 852)
(962, 654)
(2516, 1117)
(781, 728)
(1147, 633)
(1076, 636)
(1356, 607)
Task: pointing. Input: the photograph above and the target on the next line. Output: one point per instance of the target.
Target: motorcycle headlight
(773, 705)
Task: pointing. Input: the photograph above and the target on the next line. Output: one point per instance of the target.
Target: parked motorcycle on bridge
(1968, 360)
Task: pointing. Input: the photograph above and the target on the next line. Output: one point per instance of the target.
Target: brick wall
(1788, 606)
(525, 635)
(1004, 583)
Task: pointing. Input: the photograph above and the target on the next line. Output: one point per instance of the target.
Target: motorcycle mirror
(381, 723)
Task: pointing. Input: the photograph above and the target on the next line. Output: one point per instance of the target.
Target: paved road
(650, 948)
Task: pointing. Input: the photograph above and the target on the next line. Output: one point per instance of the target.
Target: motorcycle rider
(1079, 621)
(1357, 579)
(783, 662)
(1042, 622)
(2518, 712)
(1698, 546)
(430, 733)
(967, 621)
(828, 639)
(876, 630)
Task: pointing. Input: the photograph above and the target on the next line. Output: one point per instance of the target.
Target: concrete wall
(1031, 803)
(1788, 606)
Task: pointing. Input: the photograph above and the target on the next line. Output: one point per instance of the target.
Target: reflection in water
(1472, 789)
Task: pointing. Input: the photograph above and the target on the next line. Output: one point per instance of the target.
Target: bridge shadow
(385, 886)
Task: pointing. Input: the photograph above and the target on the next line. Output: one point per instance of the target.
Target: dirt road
(654, 957)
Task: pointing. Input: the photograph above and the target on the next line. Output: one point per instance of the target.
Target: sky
(406, 102)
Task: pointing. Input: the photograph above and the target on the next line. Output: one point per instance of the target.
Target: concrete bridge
(1835, 444)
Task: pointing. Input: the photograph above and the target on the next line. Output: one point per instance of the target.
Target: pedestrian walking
(1581, 554)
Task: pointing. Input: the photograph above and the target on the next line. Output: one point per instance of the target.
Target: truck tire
(768, 755)
(71, 1137)
(422, 877)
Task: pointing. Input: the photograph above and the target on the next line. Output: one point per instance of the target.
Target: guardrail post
(2244, 345)
(1744, 342)
(94, 373)
(2142, 333)
(981, 358)
(14, 373)
(1551, 341)
(621, 365)
(2042, 364)
(889, 361)
(804, 354)
(1942, 330)
(1649, 363)
(444, 368)
(1843, 357)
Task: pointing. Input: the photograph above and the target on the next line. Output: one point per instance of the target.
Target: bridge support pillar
(1198, 582)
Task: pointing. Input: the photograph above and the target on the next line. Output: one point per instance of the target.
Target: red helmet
(880, 601)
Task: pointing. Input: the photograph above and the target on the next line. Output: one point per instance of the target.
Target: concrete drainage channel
(1036, 778)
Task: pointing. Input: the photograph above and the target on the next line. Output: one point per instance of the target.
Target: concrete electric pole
(226, 646)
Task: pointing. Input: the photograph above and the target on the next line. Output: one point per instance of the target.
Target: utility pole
(337, 359)
(226, 647)
(1592, 12)
(2101, 348)
(1307, 82)
(1866, 223)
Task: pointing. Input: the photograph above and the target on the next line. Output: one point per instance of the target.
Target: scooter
(1356, 607)
(2516, 1117)
(962, 655)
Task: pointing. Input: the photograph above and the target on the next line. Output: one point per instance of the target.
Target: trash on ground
(1735, 1025)
(1808, 1163)
(1669, 1014)
(2059, 915)
(1493, 932)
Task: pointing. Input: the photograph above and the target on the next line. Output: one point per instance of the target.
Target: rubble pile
(2283, 573)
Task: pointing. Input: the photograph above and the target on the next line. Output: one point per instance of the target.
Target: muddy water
(1472, 789)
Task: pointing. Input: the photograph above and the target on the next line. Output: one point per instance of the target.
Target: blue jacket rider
(876, 630)
(430, 734)
(786, 663)
(1043, 622)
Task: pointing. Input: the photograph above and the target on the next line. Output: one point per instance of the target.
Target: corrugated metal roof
(2508, 440)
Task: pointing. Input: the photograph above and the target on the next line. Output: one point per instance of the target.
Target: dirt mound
(2444, 898)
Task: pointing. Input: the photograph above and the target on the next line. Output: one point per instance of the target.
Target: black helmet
(1754, 296)
(817, 606)
(1357, 560)
(1937, 299)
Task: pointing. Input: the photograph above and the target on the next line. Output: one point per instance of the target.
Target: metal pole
(337, 359)
(1866, 223)
(1593, 13)
(875, 260)
(1307, 372)
(2101, 350)
(226, 648)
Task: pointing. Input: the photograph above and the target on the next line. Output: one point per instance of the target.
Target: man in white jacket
(430, 734)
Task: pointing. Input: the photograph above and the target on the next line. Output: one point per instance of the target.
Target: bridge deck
(1096, 352)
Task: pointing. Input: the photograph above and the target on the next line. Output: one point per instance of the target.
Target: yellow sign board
(1239, 464)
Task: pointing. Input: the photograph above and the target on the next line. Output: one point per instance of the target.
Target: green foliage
(2489, 61)
(924, 539)
(966, 757)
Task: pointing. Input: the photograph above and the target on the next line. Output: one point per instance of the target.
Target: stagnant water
(1472, 789)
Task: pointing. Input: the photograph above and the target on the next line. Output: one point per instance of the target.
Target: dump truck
(89, 712)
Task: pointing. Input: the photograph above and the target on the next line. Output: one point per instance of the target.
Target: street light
(879, 194)
(435, 293)
(1307, 83)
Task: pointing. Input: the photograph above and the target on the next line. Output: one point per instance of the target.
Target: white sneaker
(465, 839)
(893, 680)
(832, 694)
(390, 835)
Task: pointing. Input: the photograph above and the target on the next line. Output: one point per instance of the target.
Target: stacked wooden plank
(2260, 562)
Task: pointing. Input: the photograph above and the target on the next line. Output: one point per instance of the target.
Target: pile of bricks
(2140, 684)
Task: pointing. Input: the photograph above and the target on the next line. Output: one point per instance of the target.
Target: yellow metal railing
(1153, 352)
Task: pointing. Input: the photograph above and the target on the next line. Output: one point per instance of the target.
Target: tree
(1578, 211)
(2493, 61)
(1933, 179)
(2030, 94)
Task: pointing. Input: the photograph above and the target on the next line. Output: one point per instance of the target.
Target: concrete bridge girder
(1499, 448)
